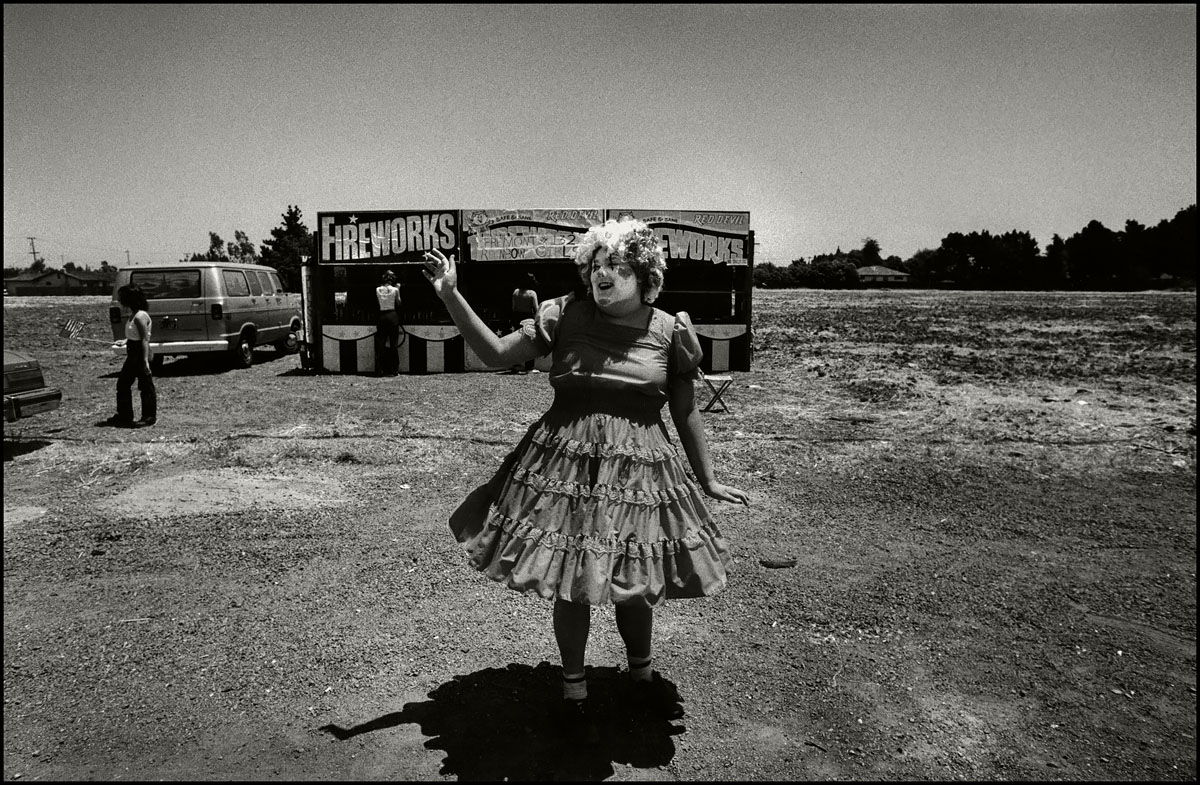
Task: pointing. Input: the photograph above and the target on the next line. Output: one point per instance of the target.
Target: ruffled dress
(595, 505)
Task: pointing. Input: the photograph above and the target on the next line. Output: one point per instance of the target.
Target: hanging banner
(525, 235)
(695, 235)
(385, 236)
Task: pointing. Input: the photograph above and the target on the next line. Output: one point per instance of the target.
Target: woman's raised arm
(493, 350)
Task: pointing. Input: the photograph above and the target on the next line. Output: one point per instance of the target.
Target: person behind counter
(387, 334)
(524, 306)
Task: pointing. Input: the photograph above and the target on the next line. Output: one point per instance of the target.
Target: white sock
(639, 668)
(574, 686)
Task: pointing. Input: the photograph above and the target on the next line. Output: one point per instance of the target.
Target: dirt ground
(991, 500)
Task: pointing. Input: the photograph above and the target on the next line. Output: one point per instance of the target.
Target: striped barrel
(726, 347)
(437, 348)
(424, 348)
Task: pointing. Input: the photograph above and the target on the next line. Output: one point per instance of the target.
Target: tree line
(282, 250)
(1094, 258)
(290, 240)
(39, 266)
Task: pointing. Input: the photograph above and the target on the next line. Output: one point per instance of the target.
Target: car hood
(14, 359)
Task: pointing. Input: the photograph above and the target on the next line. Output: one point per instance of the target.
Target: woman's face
(614, 283)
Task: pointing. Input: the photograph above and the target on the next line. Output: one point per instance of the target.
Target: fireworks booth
(710, 258)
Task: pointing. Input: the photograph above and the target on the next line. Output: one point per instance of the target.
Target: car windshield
(167, 284)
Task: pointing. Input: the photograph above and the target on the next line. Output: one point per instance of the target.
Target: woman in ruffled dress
(594, 505)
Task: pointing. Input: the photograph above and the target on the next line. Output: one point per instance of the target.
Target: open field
(991, 498)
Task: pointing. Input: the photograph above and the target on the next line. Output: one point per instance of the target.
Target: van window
(278, 284)
(255, 284)
(268, 288)
(167, 284)
(235, 283)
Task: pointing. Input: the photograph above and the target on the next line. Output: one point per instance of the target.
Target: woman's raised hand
(441, 272)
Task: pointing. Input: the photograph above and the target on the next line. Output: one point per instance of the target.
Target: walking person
(594, 505)
(387, 333)
(524, 306)
(137, 363)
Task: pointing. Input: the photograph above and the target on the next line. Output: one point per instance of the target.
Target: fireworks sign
(385, 237)
(688, 235)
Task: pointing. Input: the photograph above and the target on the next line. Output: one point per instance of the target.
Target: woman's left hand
(727, 493)
(441, 272)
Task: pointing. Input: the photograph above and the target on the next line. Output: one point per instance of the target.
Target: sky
(131, 132)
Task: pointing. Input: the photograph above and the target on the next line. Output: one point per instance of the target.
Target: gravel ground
(995, 569)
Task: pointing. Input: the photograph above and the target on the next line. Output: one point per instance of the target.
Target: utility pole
(127, 258)
(32, 248)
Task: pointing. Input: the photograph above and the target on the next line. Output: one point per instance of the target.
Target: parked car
(207, 307)
(25, 390)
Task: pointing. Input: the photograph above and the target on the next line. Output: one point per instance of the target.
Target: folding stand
(717, 385)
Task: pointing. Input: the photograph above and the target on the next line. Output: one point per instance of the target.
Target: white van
(206, 307)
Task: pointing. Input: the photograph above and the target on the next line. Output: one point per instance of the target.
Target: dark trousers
(387, 360)
(135, 368)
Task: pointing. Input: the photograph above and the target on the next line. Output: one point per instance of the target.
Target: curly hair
(631, 241)
(132, 297)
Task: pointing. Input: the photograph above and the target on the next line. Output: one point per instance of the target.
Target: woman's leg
(149, 395)
(125, 390)
(572, 621)
(635, 622)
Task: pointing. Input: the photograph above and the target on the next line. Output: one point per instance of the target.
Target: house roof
(94, 275)
(79, 275)
(876, 269)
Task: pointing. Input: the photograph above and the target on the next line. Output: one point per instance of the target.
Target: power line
(77, 248)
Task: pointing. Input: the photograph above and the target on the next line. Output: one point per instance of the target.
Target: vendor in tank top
(387, 334)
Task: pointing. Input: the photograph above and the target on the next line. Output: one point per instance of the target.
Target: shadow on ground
(18, 446)
(212, 364)
(498, 724)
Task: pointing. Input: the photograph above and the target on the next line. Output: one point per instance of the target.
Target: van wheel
(243, 353)
(156, 362)
(289, 345)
